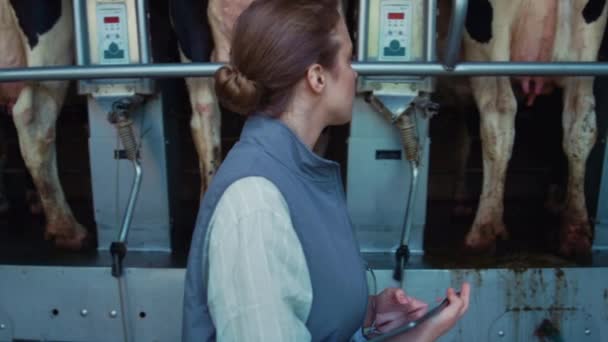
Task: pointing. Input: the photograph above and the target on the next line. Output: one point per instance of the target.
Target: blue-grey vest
(312, 188)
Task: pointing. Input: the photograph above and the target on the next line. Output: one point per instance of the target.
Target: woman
(273, 256)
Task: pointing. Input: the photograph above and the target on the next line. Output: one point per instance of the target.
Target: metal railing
(176, 70)
(449, 67)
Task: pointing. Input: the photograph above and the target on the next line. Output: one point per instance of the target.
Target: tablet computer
(412, 324)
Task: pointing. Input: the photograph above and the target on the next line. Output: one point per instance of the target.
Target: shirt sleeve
(258, 285)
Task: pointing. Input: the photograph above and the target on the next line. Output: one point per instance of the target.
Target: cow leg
(579, 126)
(35, 115)
(205, 125)
(497, 108)
(579, 134)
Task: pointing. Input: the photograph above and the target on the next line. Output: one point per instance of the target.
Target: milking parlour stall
(476, 152)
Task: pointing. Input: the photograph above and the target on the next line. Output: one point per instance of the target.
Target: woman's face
(342, 81)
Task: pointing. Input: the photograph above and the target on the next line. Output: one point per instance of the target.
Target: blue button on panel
(394, 49)
(113, 52)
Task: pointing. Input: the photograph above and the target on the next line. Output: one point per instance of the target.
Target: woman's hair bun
(235, 91)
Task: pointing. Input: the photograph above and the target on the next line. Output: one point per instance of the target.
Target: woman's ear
(315, 77)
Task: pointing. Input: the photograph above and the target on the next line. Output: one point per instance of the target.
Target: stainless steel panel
(514, 302)
(601, 221)
(112, 178)
(377, 188)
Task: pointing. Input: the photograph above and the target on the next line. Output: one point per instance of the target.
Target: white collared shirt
(259, 287)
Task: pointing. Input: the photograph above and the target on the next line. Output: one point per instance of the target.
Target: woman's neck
(307, 126)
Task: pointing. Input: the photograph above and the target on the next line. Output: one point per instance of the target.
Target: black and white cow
(32, 34)
(204, 31)
(533, 31)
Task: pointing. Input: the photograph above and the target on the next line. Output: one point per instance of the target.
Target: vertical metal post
(362, 30)
(142, 31)
(459, 14)
(431, 30)
(81, 34)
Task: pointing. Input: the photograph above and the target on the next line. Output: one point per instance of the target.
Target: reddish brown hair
(274, 42)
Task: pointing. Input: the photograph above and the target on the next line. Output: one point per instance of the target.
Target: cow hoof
(475, 244)
(74, 237)
(575, 239)
(482, 238)
(78, 243)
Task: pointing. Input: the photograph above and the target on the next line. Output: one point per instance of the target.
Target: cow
(532, 31)
(204, 30)
(204, 33)
(35, 34)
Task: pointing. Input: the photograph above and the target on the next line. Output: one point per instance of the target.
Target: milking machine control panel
(129, 135)
(112, 36)
(388, 145)
(112, 33)
(395, 31)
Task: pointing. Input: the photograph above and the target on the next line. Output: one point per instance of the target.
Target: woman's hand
(448, 317)
(393, 308)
